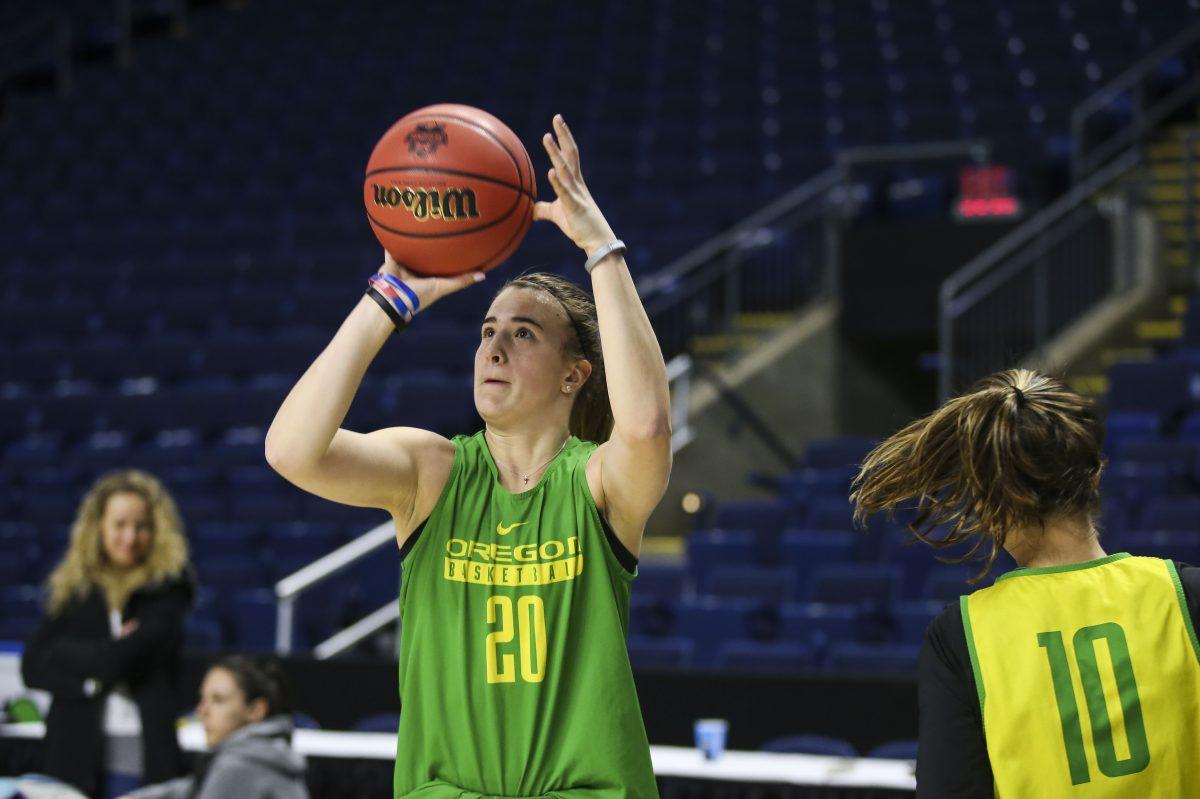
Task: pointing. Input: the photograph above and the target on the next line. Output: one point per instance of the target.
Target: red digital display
(985, 192)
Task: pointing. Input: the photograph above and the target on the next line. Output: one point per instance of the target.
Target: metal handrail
(810, 191)
(1131, 78)
(987, 271)
(1036, 224)
(290, 587)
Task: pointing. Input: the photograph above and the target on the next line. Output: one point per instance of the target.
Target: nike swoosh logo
(502, 530)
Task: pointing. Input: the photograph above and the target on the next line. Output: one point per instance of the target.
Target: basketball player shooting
(519, 543)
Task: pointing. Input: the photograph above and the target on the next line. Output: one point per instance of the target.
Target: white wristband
(594, 258)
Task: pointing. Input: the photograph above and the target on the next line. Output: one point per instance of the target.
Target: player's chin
(490, 408)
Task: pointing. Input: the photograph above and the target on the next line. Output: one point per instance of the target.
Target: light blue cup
(710, 736)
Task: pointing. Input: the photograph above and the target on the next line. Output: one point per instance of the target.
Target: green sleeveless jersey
(514, 675)
(1089, 680)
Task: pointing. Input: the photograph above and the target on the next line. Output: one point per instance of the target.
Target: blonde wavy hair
(1016, 449)
(85, 565)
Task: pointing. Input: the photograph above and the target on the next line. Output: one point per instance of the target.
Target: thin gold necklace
(525, 477)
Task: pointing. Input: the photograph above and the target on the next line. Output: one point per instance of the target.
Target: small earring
(567, 389)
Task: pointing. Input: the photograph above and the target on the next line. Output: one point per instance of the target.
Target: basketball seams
(503, 253)
(468, 123)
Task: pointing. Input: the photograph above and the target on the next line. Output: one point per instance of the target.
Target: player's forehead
(526, 303)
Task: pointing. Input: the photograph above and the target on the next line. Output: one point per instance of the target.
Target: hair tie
(1020, 396)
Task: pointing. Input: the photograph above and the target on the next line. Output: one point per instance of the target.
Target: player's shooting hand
(573, 210)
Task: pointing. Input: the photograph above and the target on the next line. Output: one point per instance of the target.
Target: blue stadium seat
(707, 549)
(1172, 513)
(1189, 429)
(203, 635)
(20, 602)
(1121, 426)
(254, 507)
(817, 624)
(651, 616)
(811, 745)
(1161, 388)
(230, 571)
(780, 657)
(859, 658)
(805, 550)
(895, 750)
(843, 452)
(948, 583)
(225, 539)
(379, 722)
(862, 583)
(763, 583)
(253, 614)
(914, 617)
(666, 581)
(18, 628)
(1177, 457)
(832, 513)
(709, 622)
(757, 515)
(805, 484)
(659, 653)
(1180, 546)
(34, 450)
(303, 721)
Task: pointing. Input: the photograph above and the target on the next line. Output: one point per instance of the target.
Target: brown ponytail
(1017, 448)
(591, 414)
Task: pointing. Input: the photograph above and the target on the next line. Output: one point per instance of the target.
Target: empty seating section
(786, 584)
(180, 239)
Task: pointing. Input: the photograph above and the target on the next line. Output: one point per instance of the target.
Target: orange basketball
(449, 189)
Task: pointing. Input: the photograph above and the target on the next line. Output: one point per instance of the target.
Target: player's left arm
(631, 469)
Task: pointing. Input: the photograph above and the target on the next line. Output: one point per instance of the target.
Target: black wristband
(388, 309)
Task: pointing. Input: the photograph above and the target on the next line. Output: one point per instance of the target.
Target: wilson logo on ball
(448, 204)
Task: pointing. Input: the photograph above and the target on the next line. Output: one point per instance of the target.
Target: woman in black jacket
(109, 646)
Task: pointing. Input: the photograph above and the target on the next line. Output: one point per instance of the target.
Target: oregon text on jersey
(523, 564)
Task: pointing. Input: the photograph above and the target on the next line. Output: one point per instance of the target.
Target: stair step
(1170, 170)
(1089, 385)
(1177, 234)
(761, 321)
(1167, 150)
(722, 343)
(1177, 130)
(662, 546)
(1126, 355)
(1172, 192)
(1159, 329)
(1175, 257)
(1175, 211)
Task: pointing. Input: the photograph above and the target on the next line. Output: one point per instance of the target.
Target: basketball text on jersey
(551, 561)
(450, 205)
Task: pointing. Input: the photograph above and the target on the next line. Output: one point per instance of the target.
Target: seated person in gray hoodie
(246, 709)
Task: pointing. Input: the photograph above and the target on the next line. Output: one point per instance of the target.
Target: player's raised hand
(429, 289)
(573, 210)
